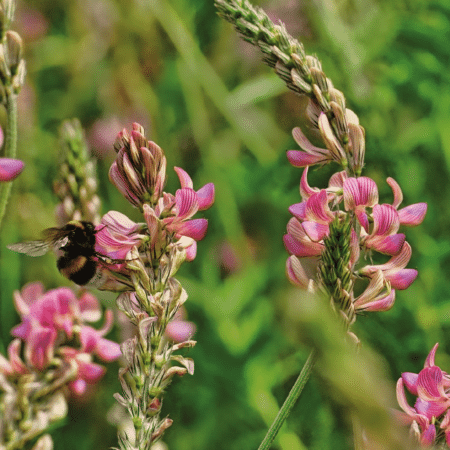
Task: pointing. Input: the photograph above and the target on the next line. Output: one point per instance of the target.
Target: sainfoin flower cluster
(54, 352)
(144, 257)
(374, 227)
(430, 416)
(54, 332)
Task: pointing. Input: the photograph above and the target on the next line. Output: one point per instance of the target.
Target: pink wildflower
(51, 321)
(431, 386)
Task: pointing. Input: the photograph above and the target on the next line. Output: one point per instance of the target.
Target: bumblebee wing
(56, 237)
(31, 248)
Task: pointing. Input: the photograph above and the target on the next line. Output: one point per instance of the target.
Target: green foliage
(217, 111)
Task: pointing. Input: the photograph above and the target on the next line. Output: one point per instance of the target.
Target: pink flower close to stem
(378, 231)
(431, 386)
(52, 319)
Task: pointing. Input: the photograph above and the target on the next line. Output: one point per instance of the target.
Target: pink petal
(305, 189)
(385, 220)
(429, 362)
(122, 184)
(108, 350)
(315, 231)
(389, 245)
(317, 208)
(195, 228)
(303, 159)
(360, 191)
(301, 249)
(429, 383)
(296, 273)
(401, 399)
(89, 338)
(306, 145)
(39, 349)
(361, 215)
(91, 372)
(10, 168)
(187, 203)
(430, 409)
(185, 179)
(191, 251)
(180, 330)
(78, 386)
(298, 210)
(413, 215)
(410, 380)
(381, 304)
(205, 196)
(402, 279)
(396, 190)
(17, 365)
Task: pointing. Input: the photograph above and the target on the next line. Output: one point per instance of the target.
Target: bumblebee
(74, 246)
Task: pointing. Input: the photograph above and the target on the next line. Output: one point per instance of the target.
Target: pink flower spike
(413, 215)
(10, 168)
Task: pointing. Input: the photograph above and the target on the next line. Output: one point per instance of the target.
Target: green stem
(10, 148)
(289, 403)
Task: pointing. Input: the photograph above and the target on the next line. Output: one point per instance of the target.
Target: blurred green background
(208, 100)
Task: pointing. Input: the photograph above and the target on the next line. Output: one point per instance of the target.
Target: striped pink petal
(360, 191)
(303, 159)
(413, 215)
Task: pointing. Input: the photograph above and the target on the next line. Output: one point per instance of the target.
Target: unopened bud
(13, 50)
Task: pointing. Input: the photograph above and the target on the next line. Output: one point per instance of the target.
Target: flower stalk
(333, 231)
(147, 256)
(12, 77)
